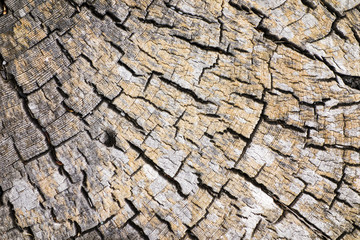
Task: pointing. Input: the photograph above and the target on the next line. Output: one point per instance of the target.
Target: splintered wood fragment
(4, 12)
(59, 163)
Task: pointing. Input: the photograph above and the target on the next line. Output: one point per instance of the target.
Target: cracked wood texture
(180, 119)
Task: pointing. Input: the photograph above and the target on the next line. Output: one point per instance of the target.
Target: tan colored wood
(179, 119)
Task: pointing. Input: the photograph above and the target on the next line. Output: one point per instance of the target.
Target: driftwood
(179, 119)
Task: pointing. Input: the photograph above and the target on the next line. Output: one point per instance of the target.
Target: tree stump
(179, 119)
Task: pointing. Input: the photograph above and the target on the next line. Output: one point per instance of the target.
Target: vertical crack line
(25, 102)
(115, 200)
(87, 197)
(1, 197)
(102, 237)
(208, 68)
(148, 81)
(85, 179)
(221, 25)
(13, 217)
(53, 215)
(138, 229)
(18, 152)
(177, 121)
(338, 185)
(356, 35)
(132, 207)
(331, 9)
(65, 52)
(42, 195)
(148, 7)
(256, 228)
(252, 135)
(182, 164)
(77, 229)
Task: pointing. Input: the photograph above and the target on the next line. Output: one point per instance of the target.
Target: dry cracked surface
(180, 119)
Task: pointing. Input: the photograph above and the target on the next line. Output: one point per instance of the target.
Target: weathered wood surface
(180, 119)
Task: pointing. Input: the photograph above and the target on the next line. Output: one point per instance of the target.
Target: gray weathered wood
(180, 119)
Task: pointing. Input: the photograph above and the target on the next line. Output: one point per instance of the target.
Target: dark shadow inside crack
(3, 8)
(351, 81)
(1, 196)
(110, 138)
